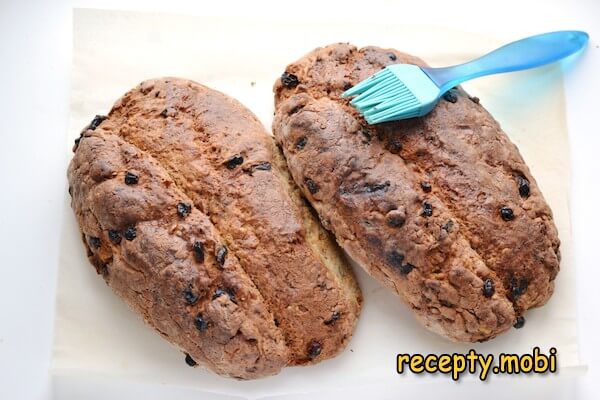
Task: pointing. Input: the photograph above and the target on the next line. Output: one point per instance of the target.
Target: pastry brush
(402, 91)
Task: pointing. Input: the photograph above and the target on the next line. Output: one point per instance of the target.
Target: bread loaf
(188, 212)
(441, 209)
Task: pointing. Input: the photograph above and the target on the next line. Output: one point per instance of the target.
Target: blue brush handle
(526, 53)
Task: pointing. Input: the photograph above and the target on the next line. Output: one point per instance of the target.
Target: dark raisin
(289, 80)
(184, 209)
(450, 96)
(347, 85)
(520, 322)
(220, 292)
(130, 233)
(198, 248)
(234, 161)
(263, 166)
(395, 258)
(201, 323)
(514, 287)
(523, 285)
(190, 361)
(114, 236)
(103, 270)
(95, 242)
(221, 256)
(295, 110)
(394, 145)
(392, 56)
(507, 213)
(334, 317)
(131, 178)
(314, 349)
(488, 288)
(311, 185)
(427, 209)
(276, 321)
(301, 143)
(448, 226)
(406, 268)
(231, 294)
(523, 186)
(96, 121)
(163, 113)
(426, 186)
(190, 297)
(76, 145)
(395, 219)
(366, 133)
(474, 99)
(518, 287)
(376, 187)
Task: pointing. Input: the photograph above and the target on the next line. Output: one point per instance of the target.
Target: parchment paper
(98, 337)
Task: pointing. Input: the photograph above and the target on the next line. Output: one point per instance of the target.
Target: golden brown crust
(217, 154)
(157, 272)
(418, 202)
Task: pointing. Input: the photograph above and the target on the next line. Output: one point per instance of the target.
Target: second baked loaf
(441, 209)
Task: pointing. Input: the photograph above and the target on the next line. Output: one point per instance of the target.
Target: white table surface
(35, 56)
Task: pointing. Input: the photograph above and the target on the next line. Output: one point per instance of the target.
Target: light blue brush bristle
(366, 84)
(401, 91)
(397, 92)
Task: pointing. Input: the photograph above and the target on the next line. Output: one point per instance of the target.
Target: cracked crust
(417, 202)
(270, 285)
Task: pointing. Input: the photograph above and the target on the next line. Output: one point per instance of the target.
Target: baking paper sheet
(98, 339)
